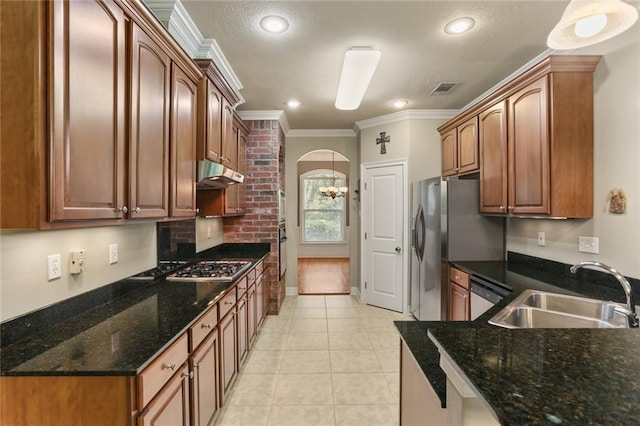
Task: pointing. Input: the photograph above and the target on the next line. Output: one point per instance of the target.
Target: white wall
(617, 164)
(296, 147)
(23, 263)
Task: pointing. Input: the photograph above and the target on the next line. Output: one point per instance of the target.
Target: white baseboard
(355, 291)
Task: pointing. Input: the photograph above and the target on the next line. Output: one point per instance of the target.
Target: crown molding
(326, 133)
(274, 114)
(410, 114)
(175, 18)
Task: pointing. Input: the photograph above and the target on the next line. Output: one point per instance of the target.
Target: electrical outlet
(76, 261)
(54, 268)
(113, 254)
(588, 245)
(541, 241)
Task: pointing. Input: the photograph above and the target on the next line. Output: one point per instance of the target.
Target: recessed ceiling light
(293, 103)
(459, 26)
(274, 24)
(399, 103)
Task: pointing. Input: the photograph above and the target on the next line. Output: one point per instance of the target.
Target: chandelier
(333, 191)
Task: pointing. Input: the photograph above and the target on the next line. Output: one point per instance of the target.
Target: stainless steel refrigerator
(447, 226)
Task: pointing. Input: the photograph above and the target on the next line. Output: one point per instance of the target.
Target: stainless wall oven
(282, 249)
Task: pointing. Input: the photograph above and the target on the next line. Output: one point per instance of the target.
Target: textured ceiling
(305, 62)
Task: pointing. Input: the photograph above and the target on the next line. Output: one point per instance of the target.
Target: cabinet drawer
(226, 303)
(242, 286)
(251, 276)
(459, 277)
(259, 269)
(156, 374)
(203, 326)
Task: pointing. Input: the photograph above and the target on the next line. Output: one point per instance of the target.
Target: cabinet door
(229, 136)
(251, 313)
(149, 138)
(458, 303)
(468, 146)
(210, 124)
(87, 111)
(449, 153)
(242, 168)
(171, 405)
(493, 154)
(528, 137)
(228, 350)
(183, 145)
(261, 298)
(243, 337)
(204, 386)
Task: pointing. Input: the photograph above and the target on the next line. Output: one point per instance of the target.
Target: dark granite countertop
(147, 317)
(547, 367)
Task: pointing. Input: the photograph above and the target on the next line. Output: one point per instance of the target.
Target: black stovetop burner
(211, 270)
(164, 267)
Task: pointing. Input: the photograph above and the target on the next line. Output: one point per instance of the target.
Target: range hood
(214, 175)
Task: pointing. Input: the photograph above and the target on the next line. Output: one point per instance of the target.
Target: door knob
(398, 249)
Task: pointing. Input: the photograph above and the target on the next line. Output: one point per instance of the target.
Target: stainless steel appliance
(164, 267)
(211, 270)
(447, 226)
(484, 295)
(282, 249)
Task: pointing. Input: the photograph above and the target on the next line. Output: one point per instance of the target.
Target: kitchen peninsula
(535, 376)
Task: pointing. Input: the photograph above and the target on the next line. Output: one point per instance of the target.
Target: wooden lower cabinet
(242, 324)
(419, 404)
(204, 385)
(228, 352)
(251, 314)
(459, 306)
(171, 405)
(261, 300)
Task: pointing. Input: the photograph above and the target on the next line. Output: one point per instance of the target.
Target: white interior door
(383, 216)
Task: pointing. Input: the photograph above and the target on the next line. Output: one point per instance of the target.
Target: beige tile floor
(324, 360)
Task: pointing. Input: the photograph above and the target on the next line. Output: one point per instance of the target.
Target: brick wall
(264, 177)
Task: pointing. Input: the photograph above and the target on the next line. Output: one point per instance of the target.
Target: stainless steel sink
(538, 309)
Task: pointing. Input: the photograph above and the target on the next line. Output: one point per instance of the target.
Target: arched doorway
(323, 219)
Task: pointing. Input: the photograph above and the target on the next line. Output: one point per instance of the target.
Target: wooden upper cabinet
(149, 137)
(460, 149)
(183, 144)
(209, 121)
(493, 159)
(229, 148)
(468, 146)
(449, 153)
(87, 111)
(528, 148)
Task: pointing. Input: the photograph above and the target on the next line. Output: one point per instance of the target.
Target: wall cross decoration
(382, 140)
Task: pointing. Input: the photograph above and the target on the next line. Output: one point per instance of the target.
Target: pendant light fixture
(332, 191)
(587, 22)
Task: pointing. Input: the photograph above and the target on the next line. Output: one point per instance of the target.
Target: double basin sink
(539, 309)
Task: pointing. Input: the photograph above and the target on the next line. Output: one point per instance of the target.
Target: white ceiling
(305, 62)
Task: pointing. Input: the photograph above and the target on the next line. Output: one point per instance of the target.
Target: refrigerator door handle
(419, 234)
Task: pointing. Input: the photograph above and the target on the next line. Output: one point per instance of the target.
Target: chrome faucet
(630, 312)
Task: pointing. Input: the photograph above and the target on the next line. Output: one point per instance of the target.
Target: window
(323, 218)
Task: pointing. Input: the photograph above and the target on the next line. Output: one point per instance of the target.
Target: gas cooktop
(164, 267)
(211, 270)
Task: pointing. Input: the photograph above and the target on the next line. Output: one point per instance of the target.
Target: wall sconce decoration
(382, 140)
(617, 201)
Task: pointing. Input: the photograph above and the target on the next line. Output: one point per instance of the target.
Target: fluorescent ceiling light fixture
(399, 103)
(274, 24)
(587, 22)
(293, 103)
(459, 26)
(357, 70)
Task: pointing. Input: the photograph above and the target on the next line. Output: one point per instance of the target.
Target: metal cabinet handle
(189, 375)
(198, 365)
(136, 210)
(228, 302)
(123, 209)
(171, 366)
(510, 207)
(207, 325)
(501, 207)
